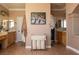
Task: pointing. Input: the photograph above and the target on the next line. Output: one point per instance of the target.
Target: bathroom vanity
(7, 31)
(7, 35)
(61, 36)
(4, 39)
(61, 32)
(7, 38)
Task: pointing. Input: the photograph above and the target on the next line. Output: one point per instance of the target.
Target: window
(11, 23)
(63, 24)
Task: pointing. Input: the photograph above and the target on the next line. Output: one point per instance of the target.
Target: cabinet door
(64, 38)
(11, 37)
(14, 36)
(59, 37)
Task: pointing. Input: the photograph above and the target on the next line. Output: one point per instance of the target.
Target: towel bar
(38, 42)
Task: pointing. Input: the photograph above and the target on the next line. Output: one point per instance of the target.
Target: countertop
(3, 33)
(12, 31)
(6, 32)
(61, 29)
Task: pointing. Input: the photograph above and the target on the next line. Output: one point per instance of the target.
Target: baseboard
(30, 47)
(73, 49)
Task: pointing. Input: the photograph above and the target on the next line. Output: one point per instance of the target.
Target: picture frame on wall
(38, 18)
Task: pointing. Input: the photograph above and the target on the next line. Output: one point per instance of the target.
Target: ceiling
(14, 5)
(58, 5)
(58, 9)
(76, 9)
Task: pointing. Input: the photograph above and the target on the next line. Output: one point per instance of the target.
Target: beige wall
(73, 40)
(37, 29)
(13, 14)
(70, 7)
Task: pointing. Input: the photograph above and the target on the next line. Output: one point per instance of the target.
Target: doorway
(53, 37)
(58, 11)
(53, 30)
(19, 35)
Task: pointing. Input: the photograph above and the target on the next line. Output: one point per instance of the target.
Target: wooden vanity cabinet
(11, 38)
(61, 37)
(64, 38)
(3, 41)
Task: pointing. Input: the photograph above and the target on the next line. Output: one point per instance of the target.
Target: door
(52, 36)
(20, 36)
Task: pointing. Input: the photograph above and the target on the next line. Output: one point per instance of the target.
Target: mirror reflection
(3, 25)
(11, 24)
(61, 24)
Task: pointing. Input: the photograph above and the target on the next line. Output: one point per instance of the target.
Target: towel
(24, 27)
